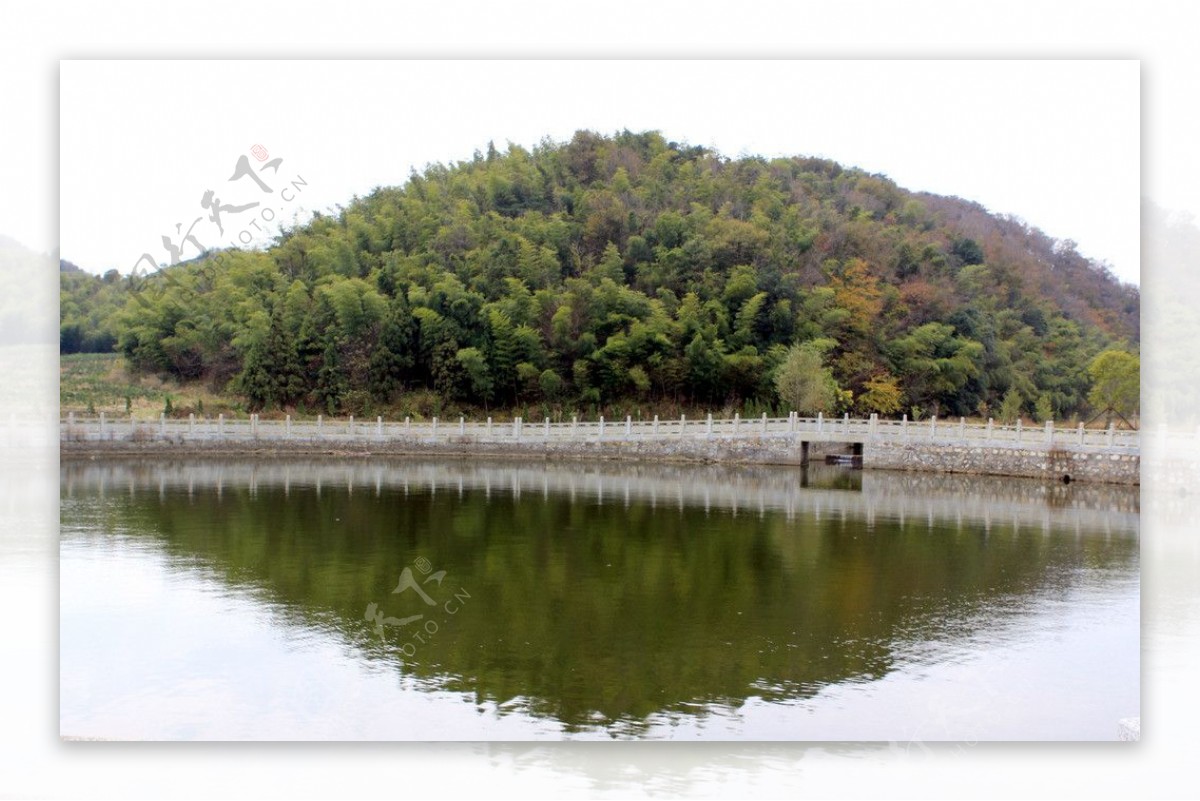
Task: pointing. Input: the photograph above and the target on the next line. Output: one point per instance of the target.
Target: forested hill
(629, 272)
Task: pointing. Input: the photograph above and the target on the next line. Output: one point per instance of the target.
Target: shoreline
(1050, 465)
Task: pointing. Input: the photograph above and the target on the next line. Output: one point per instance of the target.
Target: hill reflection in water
(615, 597)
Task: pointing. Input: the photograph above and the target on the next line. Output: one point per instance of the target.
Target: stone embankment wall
(1055, 464)
(1090, 465)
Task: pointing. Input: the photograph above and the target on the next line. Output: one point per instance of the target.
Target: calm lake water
(393, 599)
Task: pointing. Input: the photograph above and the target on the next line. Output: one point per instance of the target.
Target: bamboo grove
(629, 272)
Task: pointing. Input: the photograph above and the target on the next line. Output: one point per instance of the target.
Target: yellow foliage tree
(882, 395)
(856, 290)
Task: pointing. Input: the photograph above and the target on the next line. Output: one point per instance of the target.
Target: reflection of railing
(809, 429)
(744, 490)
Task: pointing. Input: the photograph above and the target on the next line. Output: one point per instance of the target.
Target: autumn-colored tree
(881, 395)
(856, 290)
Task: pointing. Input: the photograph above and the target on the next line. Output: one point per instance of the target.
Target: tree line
(629, 271)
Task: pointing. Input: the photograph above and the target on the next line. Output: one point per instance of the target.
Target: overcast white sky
(1053, 142)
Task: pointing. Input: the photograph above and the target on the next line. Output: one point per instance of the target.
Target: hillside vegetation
(628, 272)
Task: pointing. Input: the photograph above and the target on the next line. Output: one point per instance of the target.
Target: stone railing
(102, 428)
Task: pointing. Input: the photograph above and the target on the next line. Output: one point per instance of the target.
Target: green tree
(551, 384)
(705, 360)
(392, 358)
(1010, 406)
(747, 320)
(804, 384)
(272, 374)
(935, 365)
(478, 375)
(449, 376)
(503, 354)
(332, 385)
(968, 251)
(639, 379)
(745, 374)
(1116, 388)
(1043, 410)
(611, 265)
